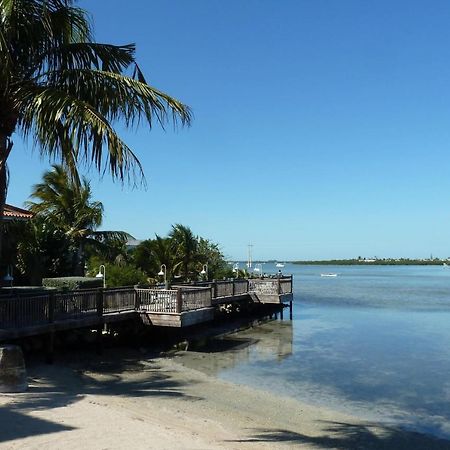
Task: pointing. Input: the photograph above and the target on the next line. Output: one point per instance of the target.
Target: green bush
(73, 283)
(124, 275)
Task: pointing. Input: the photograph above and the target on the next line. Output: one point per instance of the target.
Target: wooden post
(51, 307)
(234, 289)
(290, 310)
(279, 285)
(137, 300)
(214, 289)
(100, 302)
(99, 328)
(50, 338)
(281, 311)
(179, 301)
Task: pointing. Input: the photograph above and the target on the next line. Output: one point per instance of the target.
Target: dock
(184, 305)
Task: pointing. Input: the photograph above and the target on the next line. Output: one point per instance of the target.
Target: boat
(330, 275)
(279, 265)
(445, 265)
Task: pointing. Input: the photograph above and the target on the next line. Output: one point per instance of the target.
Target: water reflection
(372, 342)
(271, 342)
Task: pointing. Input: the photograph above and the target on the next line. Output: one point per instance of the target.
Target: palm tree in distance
(68, 206)
(185, 248)
(66, 92)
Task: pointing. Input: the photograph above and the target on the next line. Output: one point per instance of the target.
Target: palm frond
(86, 131)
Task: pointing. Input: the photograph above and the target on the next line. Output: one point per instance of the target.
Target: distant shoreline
(378, 262)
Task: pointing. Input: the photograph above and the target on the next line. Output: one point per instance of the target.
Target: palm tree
(68, 206)
(150, 254)
(66, 91)
(185, 248)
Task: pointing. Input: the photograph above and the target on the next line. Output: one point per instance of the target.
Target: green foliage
(183, 254)
(72, 283)
(118, 274)
(67, 206)
(67, 92)
(42, 251)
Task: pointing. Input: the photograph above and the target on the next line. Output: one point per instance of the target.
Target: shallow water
(373, 342)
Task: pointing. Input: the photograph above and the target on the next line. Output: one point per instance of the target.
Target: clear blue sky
(322, 128)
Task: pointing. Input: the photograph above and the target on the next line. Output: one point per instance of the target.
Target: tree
(210, 253)
(42, 251)
(68, 206)
(185, 248)
(66, 91)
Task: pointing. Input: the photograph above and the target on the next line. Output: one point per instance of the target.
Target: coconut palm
(68, 206)
(150, 254)
(66, 92)
(185, 248)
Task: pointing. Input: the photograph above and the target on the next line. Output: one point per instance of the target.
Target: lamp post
(236, 269)
(102, 274)
(163, 272)
(205, 271)
(8, 278)
(259, 268)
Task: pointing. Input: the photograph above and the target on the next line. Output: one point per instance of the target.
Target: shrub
(73, 283)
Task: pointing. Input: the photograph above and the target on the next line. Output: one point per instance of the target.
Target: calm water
(373, 342)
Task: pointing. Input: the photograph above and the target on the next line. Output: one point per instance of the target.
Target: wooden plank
(198, 316)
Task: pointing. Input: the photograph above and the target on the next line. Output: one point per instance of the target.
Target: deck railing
(271, 286)
(21, 312)
(195, 298)
(223, 289)
(157, 300)
(28, 310)
(74, 304)
(119, 299)
(240, 287)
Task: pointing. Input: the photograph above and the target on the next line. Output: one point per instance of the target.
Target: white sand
(119, 401)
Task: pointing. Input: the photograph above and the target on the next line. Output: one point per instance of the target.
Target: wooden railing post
(100, 302)
(214, 289)
(51, 307)
(234, 289)
(137, 300)
(179, 301)
(279, 285)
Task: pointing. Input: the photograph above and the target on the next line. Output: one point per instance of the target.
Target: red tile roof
(13, 212)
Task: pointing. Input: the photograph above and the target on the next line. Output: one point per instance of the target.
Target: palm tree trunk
(5, 149)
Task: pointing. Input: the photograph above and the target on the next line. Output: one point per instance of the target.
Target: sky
(321, 128)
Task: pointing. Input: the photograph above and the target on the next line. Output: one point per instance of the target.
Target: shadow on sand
(347, 436)
(67, 383)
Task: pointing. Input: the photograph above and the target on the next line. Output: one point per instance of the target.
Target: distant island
(378, 262)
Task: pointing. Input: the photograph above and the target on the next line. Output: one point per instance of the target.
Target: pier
(184, 305)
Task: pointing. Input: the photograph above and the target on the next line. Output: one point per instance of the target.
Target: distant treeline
(378, 262)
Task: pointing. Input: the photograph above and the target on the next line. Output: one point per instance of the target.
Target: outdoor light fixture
(204, 270)
(102, 274)
(236, 269)
(8, 277)
(163, 272)
(259, 268)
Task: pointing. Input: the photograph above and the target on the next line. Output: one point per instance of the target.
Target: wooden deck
(182, 306)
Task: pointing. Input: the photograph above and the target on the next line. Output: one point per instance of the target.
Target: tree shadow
(348, 436)
(64, 384)
(15, 425)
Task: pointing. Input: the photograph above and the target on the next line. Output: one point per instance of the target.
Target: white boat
(330, 275)
(279, 265)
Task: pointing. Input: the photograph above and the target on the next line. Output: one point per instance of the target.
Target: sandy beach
(125, 400)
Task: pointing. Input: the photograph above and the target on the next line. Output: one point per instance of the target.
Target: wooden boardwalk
(184, 305)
